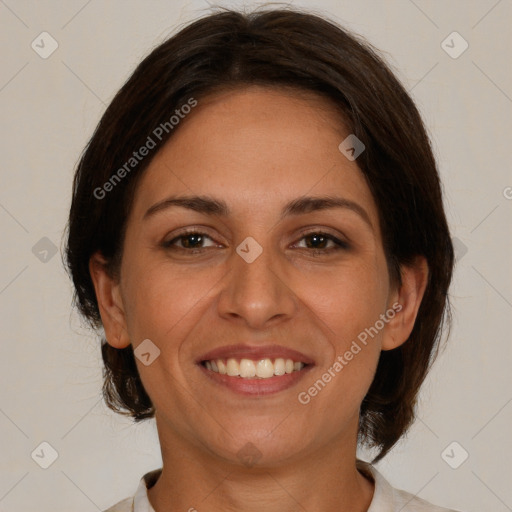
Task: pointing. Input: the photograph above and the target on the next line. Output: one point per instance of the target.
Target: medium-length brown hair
(278, 48)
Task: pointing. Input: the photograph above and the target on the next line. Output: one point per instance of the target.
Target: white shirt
(385, 497)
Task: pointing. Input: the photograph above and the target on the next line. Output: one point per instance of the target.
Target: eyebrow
(306, 204)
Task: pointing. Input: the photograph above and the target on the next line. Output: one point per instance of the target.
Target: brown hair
(279, 48)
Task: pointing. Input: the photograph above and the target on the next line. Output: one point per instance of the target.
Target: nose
(257, 293)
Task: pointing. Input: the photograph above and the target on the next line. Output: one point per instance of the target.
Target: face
(280, 259)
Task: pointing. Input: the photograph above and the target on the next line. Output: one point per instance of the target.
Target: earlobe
(409, 297)
(110, 302)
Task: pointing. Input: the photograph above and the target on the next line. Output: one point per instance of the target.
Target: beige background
(50, 375)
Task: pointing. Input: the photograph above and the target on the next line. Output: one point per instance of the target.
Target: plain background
(50, 373)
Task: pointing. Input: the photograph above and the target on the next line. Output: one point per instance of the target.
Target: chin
(257, 446)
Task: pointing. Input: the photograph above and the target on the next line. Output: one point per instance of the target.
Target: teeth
(265, 369)
(222, 367)
(248, 369)
(279, 367)
(232, 368)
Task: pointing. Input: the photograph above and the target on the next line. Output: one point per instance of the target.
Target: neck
(325, 479)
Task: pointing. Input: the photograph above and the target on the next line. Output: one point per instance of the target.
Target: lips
(261, 381)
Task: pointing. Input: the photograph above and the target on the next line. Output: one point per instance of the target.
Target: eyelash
(339, 244)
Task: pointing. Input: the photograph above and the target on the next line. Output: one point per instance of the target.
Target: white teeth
(248, 369)
(265, 369)
(279, 366)
(222, 367)
(232, 367)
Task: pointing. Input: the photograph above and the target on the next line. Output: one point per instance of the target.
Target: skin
(256, 148)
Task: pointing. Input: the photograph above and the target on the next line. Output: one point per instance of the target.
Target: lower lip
(257, 387)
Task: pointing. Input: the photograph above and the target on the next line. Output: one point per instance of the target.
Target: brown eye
(318, 241)
(188, 241)
(191, 241)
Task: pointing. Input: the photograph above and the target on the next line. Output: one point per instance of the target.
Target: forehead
(252, 146)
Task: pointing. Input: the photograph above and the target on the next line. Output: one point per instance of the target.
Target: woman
(257, 225)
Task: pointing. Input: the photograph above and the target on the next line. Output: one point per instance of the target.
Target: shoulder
(406, 502)
(125, 505)
(388, 499)
(139, 502)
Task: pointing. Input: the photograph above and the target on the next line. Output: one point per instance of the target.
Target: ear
(109, 302)
(406, 300)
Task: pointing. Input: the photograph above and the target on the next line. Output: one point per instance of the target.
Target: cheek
(164, 304)
(350, 356)
(349, 302)
(161, 299)
(348, 299)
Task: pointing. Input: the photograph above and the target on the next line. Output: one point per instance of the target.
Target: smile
(254, 370)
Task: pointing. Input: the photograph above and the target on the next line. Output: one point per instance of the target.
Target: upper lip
(242, 351)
